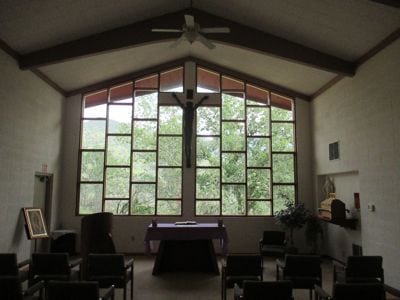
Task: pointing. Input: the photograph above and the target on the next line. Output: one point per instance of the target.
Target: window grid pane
(131, 152)
(252, 142)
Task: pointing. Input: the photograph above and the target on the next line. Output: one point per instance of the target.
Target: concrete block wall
(363, 114)
(30, 135)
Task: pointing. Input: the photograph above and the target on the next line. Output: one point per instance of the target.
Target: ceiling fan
(192, 32)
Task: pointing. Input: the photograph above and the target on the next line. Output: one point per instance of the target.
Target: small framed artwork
(35, 225)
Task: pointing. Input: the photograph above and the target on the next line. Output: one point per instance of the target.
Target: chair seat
(362, 280)
(231, 280)
(304, 282)
(117, 281)
(272, 250)
(73, 276)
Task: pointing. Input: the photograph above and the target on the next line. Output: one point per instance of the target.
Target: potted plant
(313, 232)
(294, 216)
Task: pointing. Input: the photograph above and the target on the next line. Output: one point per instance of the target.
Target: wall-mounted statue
(328, 188)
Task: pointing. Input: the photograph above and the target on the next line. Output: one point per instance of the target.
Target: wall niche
(338, 240)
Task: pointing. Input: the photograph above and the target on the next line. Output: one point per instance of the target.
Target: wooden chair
(272, 243)
(110, 269)
(238, 268)
(77, 290)
(352, 291)
(11, 289)
(304, 271)
(260, 290)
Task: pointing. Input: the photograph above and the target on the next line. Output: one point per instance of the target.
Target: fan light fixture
(192, 32)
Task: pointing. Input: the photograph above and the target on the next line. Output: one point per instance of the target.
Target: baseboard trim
(392, 291)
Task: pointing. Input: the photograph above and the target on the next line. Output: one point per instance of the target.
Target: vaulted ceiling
(296, 46)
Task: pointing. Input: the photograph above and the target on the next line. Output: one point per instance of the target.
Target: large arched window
(132, 158)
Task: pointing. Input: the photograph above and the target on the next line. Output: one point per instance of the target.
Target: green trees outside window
(131, 150)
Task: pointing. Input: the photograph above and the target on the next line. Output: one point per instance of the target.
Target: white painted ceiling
(343, 28)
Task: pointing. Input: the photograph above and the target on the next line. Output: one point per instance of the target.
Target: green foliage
(207, 208)
(145, 135)
(293, 216)
(208, 154)
(232, 107)
(207, 183)
(283, 168)
(117, 182)
(92, 166)
(259, 208)
(208, 120)
(90, 198)
(280, 114)
(258, 184)
(258, 153)
(93, 134)
(257, 121)
(233, 200)
(117, 207)
(233, 167)
(233, 138)
(143, 199)
(282, 137)
(118, 150)
(283, 194)
(144, 166)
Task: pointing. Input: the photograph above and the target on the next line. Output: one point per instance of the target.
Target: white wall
(129, 231)
(30, 135)
(363, 114)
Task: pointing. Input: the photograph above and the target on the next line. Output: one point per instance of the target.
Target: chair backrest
(240, 265)
(50, 264)
(302, 265)
(67, 290)
(276, 290)
(106, 264)
(96, 234)
(273, 237)
(10, 288)
(358, 291)
(8, 264)
(364, 267)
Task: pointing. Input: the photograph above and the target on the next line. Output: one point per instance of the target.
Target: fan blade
(204, 41)
(189, 20)
(166, 30)
(215, 30)
(178, 41)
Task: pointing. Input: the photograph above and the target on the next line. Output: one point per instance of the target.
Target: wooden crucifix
(188, 117)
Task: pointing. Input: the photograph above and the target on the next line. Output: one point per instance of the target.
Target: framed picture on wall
(35, 225)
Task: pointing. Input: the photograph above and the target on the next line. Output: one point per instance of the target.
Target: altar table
(186, 247)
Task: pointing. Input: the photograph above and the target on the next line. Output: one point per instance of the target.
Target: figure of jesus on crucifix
(188, 117)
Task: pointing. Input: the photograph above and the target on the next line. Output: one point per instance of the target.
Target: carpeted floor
(198, 286)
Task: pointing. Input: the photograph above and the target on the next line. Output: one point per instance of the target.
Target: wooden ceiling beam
(140, 33)
(394, 3)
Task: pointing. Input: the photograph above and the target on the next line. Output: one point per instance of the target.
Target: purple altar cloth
(200, 231)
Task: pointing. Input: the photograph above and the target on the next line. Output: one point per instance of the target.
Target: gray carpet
(198, 286)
